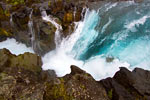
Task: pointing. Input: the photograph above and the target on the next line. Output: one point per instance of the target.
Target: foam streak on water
(137, 22)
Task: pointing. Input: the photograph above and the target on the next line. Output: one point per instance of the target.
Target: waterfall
(58, 27)
(31, 29)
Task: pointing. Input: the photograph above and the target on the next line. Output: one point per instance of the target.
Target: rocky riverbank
(21, 78)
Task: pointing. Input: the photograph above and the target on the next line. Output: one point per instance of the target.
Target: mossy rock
(15, 2)
(4, 14)
(27, 61)
(68, 17)
(56, 91)
(3, 32)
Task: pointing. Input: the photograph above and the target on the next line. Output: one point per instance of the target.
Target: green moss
(2, 76)
(110, 93)
(57, 91)
(15, 2)
(4, 14)
(68, 17)
(49, 3)
(4, 32)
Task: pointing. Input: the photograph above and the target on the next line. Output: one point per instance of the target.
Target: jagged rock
(44, 36)
(27, 61)
(19, 77)
(126, 85)
(5, 30)
(23, 83)
(82, 86)
(20, 19)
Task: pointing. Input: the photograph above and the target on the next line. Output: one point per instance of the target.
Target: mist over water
(116, 35)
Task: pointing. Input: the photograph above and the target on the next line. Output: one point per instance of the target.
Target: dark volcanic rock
(20, 19)
(21, 78)
(44, 36)
(126, 85)
(82, 86)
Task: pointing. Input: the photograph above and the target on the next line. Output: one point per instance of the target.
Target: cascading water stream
(31, 29)
(58, 27)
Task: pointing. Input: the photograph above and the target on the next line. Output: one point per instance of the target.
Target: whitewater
(115, 35)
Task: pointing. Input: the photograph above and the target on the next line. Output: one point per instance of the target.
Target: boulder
(127, 85)
(82, 86)
(20, 76)
(44, 36)
(26, 61)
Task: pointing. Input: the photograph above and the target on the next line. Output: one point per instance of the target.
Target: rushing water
(116, 35)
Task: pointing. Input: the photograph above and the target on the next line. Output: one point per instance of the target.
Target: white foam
(15, 47)
(137, 22)
(100, 69)
(110, 6)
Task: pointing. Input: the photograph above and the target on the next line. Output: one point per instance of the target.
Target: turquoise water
(121, 32)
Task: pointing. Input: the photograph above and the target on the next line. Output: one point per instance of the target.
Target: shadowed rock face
(126, 85)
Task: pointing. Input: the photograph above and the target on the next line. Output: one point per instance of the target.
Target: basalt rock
(20, 20)
(127, 85)
(27, 61)
(43, 36)
(5, 30)
(82, 86)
